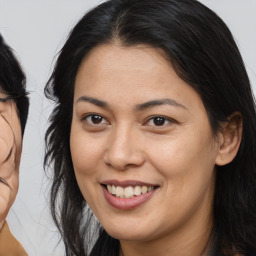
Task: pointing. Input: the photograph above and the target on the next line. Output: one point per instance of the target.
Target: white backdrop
(36, 30)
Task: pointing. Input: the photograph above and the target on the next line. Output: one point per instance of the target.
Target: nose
(124, 149)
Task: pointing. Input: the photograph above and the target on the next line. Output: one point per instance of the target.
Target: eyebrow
(159, 102)
(139, 107)
(94, 101)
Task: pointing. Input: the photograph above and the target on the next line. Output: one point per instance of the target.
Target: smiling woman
(142, 151)
(13, 116)
(151, 132)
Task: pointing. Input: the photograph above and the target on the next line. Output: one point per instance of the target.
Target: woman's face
(10, 152)
(142, 147)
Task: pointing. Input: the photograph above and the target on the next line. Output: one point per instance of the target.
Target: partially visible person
(14, 105)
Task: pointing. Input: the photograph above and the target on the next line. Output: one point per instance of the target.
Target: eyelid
(85, 116)
(169, 119)
(5, 182)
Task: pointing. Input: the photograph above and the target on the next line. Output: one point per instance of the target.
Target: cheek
(86, 151)
(186, 166)
(6, 139)
(191, 147)
(10, 142)
(186, 161)
(7, 196)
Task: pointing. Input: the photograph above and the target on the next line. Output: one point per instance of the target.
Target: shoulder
(9, 245)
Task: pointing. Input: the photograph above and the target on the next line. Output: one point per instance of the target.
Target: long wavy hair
(13, 82)
(203, 53)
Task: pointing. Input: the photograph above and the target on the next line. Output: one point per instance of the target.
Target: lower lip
(127, 203)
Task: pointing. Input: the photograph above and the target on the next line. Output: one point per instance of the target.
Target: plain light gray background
(36, 30)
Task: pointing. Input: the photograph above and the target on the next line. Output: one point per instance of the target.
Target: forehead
(108, 67)
(136, 59)
(140, 71)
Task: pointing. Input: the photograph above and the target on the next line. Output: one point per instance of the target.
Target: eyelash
(85, 118)
(163, 121)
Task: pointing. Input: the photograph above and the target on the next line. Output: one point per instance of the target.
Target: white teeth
(128, 192)
(137, 190)
(144, 190)
(113, 190)
(119, 191)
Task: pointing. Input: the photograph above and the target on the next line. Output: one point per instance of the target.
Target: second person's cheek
(6, 140)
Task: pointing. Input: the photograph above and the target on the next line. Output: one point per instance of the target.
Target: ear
(229, 139)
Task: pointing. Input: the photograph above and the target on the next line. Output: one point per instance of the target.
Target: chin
(128, 233)
(126, 236)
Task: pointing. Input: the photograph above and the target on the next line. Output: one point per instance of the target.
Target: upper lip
(126, 183)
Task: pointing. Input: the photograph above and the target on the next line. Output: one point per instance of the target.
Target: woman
(13, 116)
(153, 129)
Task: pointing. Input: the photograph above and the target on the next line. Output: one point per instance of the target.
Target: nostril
(121, 161)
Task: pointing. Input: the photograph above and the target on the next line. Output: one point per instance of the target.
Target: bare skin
(135, 120)
(10, 145)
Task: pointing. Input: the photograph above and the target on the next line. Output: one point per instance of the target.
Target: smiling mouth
(128, 191)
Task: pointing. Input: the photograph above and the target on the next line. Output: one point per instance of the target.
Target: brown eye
(95, 119)
(158, 121)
